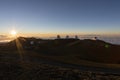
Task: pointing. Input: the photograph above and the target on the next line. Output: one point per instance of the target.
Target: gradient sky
(60, 16)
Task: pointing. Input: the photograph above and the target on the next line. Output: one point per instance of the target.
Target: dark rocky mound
(93, 50)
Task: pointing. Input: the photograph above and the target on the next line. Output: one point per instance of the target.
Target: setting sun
(13, 32)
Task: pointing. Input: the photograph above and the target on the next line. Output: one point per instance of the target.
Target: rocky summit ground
(41, 71)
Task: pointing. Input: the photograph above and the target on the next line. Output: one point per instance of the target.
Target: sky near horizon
(60, 16)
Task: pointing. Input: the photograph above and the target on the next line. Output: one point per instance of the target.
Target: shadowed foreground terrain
(59, 59)
(28, 71)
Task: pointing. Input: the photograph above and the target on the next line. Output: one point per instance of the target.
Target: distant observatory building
(76, 37)
(58, 37)
(95, 38)
(67, 37)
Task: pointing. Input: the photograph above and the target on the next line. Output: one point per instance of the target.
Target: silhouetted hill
(91, 50)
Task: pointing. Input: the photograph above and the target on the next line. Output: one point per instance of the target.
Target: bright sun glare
(13, 33)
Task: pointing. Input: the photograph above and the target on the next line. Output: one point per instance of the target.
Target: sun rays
(20, 49)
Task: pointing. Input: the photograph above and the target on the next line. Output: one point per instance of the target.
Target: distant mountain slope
(92, 50)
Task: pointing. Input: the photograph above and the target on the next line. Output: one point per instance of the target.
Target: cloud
(4, 37)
